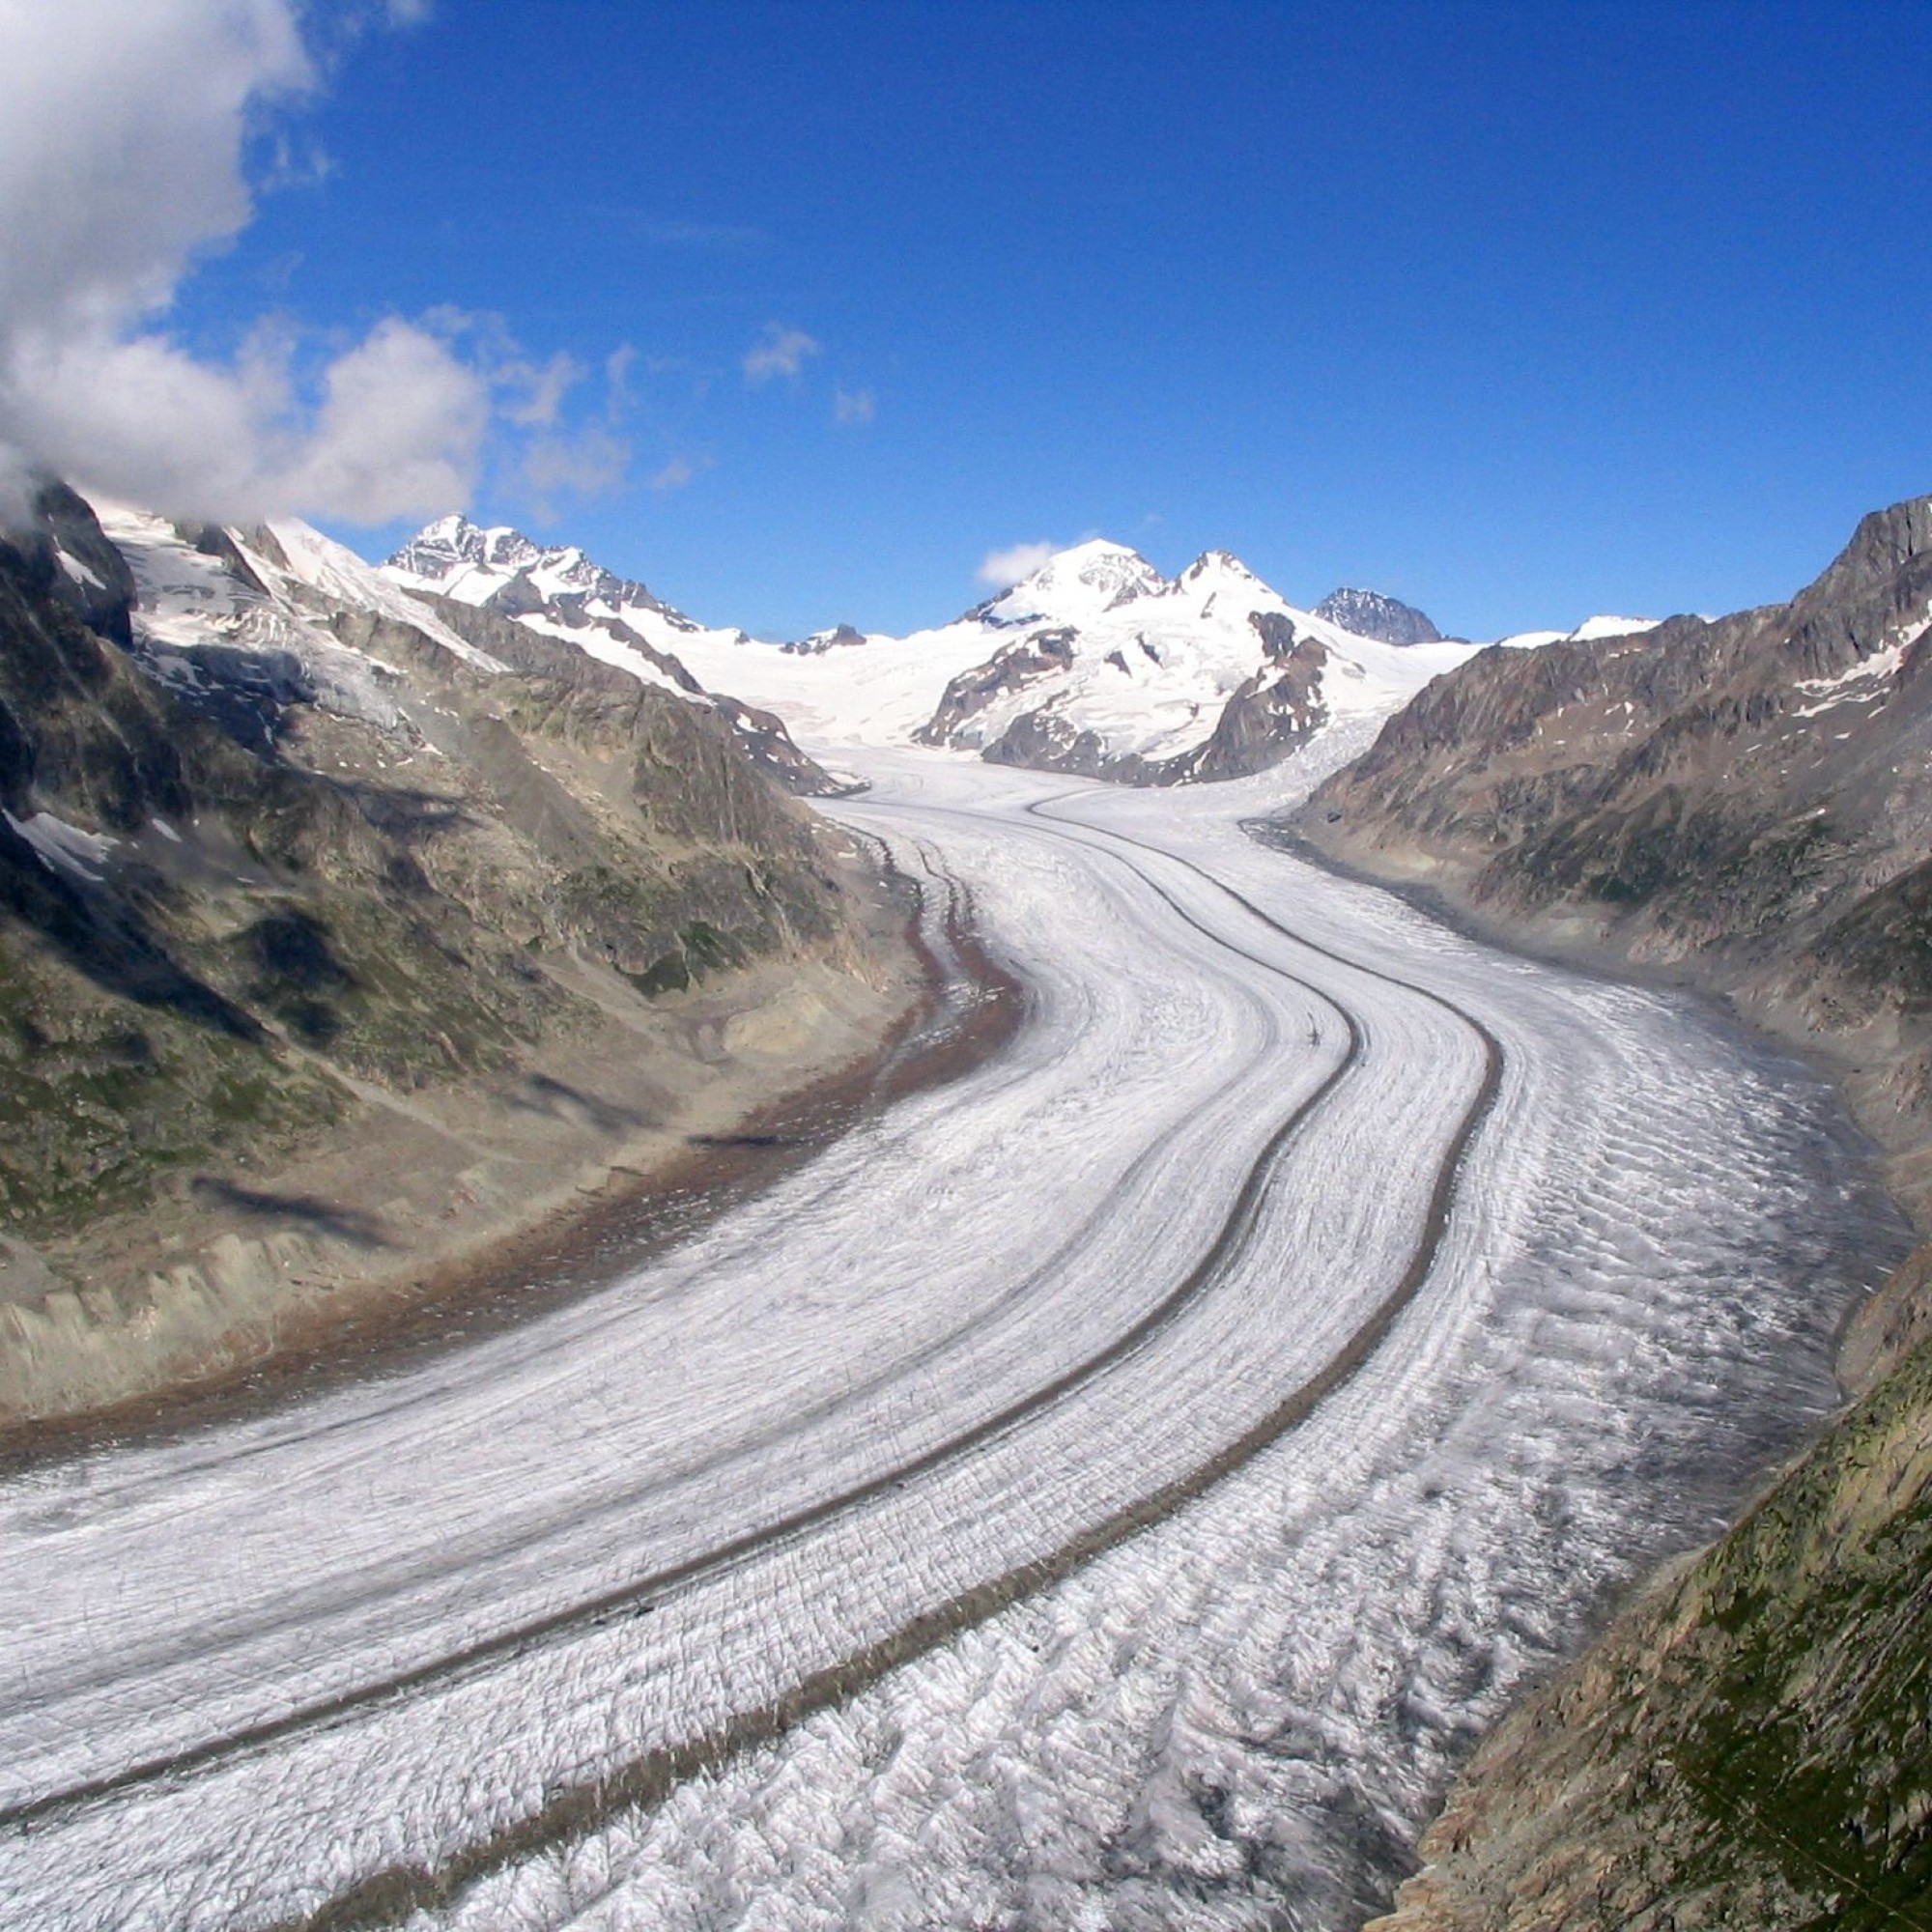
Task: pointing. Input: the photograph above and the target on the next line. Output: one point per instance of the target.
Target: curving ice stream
(1109, 1490)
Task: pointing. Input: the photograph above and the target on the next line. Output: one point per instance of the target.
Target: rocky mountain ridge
(1367, 613)
(283, 853)
(558, 592)
(1745, 799)
(501, 569)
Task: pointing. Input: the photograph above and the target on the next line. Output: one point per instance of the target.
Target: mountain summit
(503, 570)
(1084, 582)
(1367, 613)
(1118, 672)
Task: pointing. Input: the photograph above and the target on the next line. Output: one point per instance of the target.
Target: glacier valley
(1161, 1449)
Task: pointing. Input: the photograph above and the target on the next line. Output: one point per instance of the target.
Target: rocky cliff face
(1748, 799)
(274, 836)
(1367, 613)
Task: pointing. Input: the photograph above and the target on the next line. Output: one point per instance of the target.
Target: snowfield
(1156, 1453)
(1151, 661)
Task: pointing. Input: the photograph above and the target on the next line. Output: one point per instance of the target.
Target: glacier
(1109, 1490)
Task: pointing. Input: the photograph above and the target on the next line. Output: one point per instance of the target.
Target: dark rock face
(1271, 714)
(1012, 667)
(182, 906)
(100, 591)
(1367, 613)
(842, 636)
(1749, 796)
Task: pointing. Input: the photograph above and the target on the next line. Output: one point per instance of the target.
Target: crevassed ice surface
(248, 1669)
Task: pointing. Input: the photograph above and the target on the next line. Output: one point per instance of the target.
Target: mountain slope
(1748, 801)
(558, 592)
(1749, 1747)
(284, 856)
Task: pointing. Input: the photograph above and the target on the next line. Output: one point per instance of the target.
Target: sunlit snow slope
(1153, 1454)
(1094, 664)
(1101, 666)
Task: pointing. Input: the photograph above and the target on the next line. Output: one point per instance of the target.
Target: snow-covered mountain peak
(451, 543)
(451, 533)
(1094, 663)
(503, 570)
(1215, 565)
(1078, 583)
(1218, 578)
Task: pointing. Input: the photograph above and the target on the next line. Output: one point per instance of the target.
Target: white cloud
(678, 472)
(543, 389)
(590, 463)
(401, 426)
(1002, 569)
(854, 406)
(124, 126)
(617, 367)
(781, 351)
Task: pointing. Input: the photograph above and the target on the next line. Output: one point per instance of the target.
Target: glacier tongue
(274, 1661)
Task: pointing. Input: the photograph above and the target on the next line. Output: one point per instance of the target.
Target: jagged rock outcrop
(1367, 613)
(840, 636)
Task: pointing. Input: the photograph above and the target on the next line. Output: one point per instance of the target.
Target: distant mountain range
(1094, 664)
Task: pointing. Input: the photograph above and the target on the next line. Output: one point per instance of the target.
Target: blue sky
(1516, 312)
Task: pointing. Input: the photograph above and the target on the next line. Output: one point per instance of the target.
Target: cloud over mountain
(1002, 569)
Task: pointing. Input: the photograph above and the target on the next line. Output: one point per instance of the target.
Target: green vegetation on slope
(1751, 1745)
